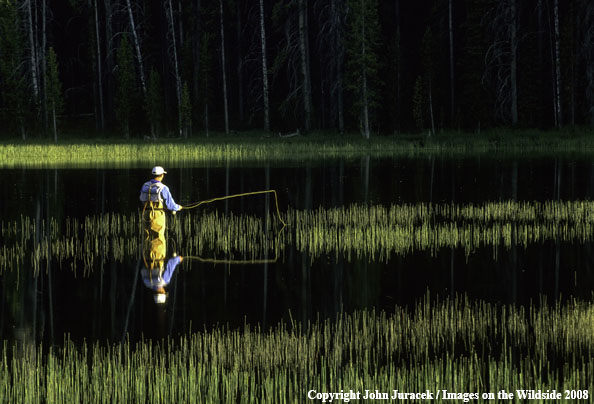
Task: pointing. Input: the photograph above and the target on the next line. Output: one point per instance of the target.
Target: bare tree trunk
(239, 64)
(109, 85)
(196, 51)
(540, 62)
(337, 59)
(33, 52)
(399, 67)
(175, 65)
(206, 118)
(587, 49)
(452, 88)
(264, 69)
(340, 102)
(514, 64)
(431, 111)
(54, 123)
(43, 61)
(99, 71)
(365, 128)
(137, 48)
(180, 22)
(365, 92)
(306, 85)
(225, 100)
(559, 117)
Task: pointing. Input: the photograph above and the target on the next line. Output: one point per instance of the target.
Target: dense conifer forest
(173, 68)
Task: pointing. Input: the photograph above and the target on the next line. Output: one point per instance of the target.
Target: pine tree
(125, 86)
(54, 91)
(474, 99)
(362, 61)
(418, 104)
(205, 75)
(13, 96)
(154, 103)
(427, 76)
(186, 111)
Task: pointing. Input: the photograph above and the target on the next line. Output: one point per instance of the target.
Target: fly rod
(221, 198)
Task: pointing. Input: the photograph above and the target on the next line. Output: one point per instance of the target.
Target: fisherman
(156, 197)
(155, 192)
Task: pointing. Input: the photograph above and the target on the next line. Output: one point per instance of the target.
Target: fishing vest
(151, 192)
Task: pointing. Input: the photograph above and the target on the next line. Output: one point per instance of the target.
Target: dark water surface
(111, 300)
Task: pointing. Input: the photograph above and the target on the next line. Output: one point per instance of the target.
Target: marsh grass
(376, 232)
(453, 344)
(259, 146)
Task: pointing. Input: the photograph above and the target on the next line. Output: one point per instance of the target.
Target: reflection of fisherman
(155, 192)
(158, 276)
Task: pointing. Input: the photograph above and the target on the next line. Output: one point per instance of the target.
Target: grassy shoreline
(260, 147)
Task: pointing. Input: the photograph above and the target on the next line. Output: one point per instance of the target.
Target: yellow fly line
(237, 261)
(154, 211)
(221, 198)
(233, 261)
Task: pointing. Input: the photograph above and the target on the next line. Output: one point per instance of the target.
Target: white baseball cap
(158, 170)
(160, 298)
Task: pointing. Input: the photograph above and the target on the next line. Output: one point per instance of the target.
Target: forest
(179, 68)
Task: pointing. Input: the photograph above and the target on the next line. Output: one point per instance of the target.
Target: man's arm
(169, 202)
(172, 263)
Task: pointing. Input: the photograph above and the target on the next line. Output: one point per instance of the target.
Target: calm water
(112, 300)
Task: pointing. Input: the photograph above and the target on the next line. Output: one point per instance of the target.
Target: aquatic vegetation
(375, 232)
(453, 344)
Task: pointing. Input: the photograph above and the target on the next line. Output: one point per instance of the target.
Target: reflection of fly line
(231, 261)
(222, 198)
(240, 262)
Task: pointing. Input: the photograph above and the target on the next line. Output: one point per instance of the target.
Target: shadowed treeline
(173, 68)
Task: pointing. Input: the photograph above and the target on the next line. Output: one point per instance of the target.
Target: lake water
(106, 299)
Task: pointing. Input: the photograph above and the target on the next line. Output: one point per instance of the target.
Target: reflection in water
(156, 275)
(375, 231)
(360, 234)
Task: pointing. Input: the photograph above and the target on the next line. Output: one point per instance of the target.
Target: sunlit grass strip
(266, 147)
(376, 232)
(77, 154)
(453, 344)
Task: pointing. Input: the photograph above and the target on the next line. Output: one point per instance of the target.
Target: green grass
(258, 146)
(376, 232)
(453, 344)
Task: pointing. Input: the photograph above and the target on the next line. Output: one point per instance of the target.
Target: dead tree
(330, 40)
(174, 56)
(136, 47)
(264, 69)
(557, 66)
(223, 66)
(587, 52)
(501, 59)
(99, 70)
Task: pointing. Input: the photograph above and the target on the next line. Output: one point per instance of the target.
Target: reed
(375, 232)
(453, 344)
(268, 147)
